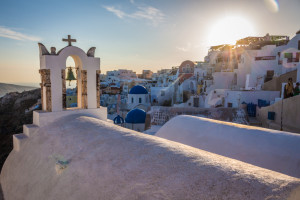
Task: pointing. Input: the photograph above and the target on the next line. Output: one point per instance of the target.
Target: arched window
(140, 100)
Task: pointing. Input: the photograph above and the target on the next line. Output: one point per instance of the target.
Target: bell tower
(53, 77)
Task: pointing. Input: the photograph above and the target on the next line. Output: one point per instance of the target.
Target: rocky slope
(7, 88)
(15, 110)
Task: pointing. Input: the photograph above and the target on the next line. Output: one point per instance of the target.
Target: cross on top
(69, 40)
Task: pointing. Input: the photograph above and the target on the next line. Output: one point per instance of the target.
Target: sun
(229, 29)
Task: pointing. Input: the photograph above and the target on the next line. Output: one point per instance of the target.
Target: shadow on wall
(290, 115)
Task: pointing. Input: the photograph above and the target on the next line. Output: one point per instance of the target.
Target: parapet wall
(290, 115)
(276, 83)
(270, 149)
(80, 157)
(161, 114)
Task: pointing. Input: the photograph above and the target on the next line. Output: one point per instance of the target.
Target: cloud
(185, 48)
(9, 33)
(149, 13)
(114, 10)
(142, 13)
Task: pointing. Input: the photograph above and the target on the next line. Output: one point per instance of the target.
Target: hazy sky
(132, 34)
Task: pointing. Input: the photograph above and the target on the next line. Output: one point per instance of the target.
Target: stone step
(30, 129)
(18, 139)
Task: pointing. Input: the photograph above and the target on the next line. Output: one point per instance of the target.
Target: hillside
(15, 110)
(7, 88)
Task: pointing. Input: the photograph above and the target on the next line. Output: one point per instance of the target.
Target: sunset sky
(133, 34)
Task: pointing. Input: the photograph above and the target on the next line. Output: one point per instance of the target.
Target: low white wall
(271, 149)
(290, 109)
(43, 118)
(140, 127)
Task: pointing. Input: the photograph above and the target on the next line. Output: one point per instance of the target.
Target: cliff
(15, 110)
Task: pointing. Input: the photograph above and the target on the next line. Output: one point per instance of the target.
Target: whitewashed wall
(270, 149)
(238, 97)
(223, 80)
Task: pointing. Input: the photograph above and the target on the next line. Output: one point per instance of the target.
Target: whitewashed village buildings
(253, 71)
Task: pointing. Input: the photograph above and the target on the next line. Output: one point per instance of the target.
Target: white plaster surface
(144, 100)
(42, 118)
(79, 157)
(270, 149)
(223, 80)
(18, 140)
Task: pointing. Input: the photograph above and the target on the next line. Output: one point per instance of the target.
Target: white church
(75, 153)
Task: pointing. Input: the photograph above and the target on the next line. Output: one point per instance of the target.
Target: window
(298, 44)
(140, 100)
(132, 100)
(288, 55)
(229, 105)
(162, 93)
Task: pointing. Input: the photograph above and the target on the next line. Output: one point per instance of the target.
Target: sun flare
(229, 29)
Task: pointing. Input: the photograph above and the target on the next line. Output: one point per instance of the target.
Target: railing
(289, 60)
(265, 58)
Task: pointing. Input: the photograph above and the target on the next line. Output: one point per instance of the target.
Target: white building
(234, 98)
(138, 97)
(120, 75)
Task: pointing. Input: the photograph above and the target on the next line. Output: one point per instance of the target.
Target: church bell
(70, 75)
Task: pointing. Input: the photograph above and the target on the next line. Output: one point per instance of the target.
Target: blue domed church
(138, 97)
(135, 120)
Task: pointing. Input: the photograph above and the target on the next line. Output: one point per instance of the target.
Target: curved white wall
(271, 149)
(79, 157)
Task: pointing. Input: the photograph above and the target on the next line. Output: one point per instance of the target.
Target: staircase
(28, 131)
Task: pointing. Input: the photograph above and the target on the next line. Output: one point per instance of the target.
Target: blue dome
(138, 89)
(136, 116)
